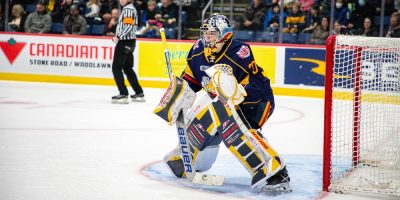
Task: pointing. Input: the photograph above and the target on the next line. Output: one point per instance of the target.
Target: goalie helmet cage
(362, 116)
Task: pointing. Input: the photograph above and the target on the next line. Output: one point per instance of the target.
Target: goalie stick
(191, 174)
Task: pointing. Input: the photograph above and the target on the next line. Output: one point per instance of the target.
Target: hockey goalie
(238, 102)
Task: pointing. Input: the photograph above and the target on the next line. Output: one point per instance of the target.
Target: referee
(123, 54)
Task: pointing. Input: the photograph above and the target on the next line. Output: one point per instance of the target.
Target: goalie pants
(257, 113)
(123, 62)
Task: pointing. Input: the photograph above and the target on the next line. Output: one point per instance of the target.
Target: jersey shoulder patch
(238, 50)
(243, 52)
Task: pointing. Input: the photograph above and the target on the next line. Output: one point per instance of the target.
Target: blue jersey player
(220, 65)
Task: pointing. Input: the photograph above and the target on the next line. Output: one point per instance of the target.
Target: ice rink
(62, 142)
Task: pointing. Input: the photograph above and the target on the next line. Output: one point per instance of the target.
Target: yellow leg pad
(195, 154)
(242, 160)
(201, 113)
(264, 145)
(228, 111)
(210, 128)
(214, 116)
(175, 157)
(275, 164)
(251, 147)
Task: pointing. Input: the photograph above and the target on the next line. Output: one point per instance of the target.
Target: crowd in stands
(312, 17)
(91, 17)
(300, 18)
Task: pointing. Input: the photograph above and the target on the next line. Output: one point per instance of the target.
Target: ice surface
(60, 141)
(305, 172)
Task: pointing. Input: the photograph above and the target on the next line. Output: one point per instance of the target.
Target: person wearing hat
(74, 23)
(38, 21)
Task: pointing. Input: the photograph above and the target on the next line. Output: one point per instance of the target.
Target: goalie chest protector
(239, 57)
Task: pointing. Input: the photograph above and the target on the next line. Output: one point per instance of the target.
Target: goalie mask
(215, 31)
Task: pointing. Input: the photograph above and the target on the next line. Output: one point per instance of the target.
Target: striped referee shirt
(127, 22)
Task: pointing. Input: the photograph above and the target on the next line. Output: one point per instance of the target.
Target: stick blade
(208, 179)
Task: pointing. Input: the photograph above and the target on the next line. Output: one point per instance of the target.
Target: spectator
(342, 13)
(368, 30)
(295, 20)
(306, 5)
(169, 13)
(286, 3)
(338, 29)
(94, 9)
(394, 28)
(18, 18)
(61, 11)
(106, 7)
(324, 7)
(74, 23)
(271, 22)
(52, 5)
(312, 20)
(153, 18)
(38, 21)
(192, 7)
(140, 6)
(363, 9)
(254, 16)
(321, 32)
(111, 25)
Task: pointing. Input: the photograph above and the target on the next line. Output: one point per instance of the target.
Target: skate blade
(278, 188)
(120, 101)
(139, 99)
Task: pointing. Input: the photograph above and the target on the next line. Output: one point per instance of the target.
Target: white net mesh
(365, 140)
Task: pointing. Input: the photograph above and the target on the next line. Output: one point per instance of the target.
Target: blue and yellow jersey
(239, 56)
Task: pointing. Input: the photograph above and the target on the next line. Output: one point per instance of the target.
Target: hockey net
(362, 116)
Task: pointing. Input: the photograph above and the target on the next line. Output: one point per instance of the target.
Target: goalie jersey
(239, 57)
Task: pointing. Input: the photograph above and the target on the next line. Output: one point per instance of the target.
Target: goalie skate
(278, 183)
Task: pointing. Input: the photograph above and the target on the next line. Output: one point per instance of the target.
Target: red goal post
(362, 116)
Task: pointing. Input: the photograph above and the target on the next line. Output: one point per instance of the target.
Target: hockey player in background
(226, 70)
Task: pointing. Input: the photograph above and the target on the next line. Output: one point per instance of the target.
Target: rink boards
(295, 70)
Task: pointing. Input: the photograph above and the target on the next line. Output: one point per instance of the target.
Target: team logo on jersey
(243, 52)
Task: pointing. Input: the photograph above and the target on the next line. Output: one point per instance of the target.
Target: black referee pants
(123, 61)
